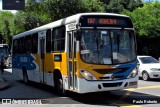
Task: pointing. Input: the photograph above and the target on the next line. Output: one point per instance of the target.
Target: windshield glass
(147, 60)
(107, 46)
(4, 51)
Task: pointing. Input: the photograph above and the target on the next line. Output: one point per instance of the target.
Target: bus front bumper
(98, 86)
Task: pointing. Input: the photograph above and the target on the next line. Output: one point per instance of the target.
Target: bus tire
(25, 76)
(58, 81)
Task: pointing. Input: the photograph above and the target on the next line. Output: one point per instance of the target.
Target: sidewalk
(3, 84)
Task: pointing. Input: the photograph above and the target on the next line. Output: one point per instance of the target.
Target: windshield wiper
(97, 43)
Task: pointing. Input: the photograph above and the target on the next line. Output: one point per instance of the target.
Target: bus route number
(91, 20)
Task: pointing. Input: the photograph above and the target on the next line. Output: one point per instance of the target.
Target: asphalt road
(147, 94)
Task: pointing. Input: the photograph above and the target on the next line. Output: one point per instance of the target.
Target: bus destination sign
(105, 21)
(101, 21)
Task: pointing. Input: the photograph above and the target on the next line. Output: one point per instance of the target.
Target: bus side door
(72, 63)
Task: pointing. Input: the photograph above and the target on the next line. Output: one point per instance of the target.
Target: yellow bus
(87, 52)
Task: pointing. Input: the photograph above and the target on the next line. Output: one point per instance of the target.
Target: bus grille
(118, 84)
(111, 71)
(115, 77)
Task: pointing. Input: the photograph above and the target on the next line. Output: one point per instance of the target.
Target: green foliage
(58, 9)
(37, 14)
(92, 6)
(117, 6)
(146, 20)
(7, 25)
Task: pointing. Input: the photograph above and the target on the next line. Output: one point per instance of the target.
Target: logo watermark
(13, 101)
(145, 101)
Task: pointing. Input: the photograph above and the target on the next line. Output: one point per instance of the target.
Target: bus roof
(64, 21)
(2, 45)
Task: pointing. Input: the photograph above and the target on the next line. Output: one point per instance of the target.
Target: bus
(4, 50)
(83, 53)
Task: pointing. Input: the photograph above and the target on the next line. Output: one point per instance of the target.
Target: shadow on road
(110, 98)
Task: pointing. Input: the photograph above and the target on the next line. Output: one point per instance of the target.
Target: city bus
(83, 53)
(4, 50)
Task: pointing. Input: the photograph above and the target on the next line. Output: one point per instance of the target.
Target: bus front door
(72, 63)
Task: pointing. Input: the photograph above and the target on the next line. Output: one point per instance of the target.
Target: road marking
(145, 95)
(141, 88)
(131, 106)
(130, 90)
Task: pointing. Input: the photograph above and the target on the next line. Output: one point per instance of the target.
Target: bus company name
(23, 59)
(13, 101)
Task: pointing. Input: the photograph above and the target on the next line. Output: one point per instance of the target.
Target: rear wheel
(145, 76)
(25, 76)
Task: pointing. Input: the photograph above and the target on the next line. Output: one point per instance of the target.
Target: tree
(147, 26)
(63, 8)
(117, 6)
(7, 25)
(37, 14)
(146, 19)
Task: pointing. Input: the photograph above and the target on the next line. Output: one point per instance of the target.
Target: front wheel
(145, 76)
(59, 85)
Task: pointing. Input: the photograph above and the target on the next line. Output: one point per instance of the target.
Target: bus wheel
(25, 76)
(59, 85)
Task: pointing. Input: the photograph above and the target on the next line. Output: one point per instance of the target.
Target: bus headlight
(87, 75)
(133, 73)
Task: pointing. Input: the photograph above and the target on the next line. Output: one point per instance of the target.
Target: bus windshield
(4, 51)
(107, 46)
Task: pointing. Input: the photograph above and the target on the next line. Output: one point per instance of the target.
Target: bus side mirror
(78, 36)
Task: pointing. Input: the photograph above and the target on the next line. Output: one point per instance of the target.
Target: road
(146, 93)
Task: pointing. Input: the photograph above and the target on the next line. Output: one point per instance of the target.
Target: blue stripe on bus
(131, 66)
(20, 61)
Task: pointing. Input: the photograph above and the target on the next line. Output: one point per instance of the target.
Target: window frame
(58, 35)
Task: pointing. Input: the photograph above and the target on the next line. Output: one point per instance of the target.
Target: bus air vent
(117, 84)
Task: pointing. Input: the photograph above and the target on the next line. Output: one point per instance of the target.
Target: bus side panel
(51, 64)
(36, 71)
(28, 62)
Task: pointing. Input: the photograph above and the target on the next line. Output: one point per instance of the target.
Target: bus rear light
(87, 75)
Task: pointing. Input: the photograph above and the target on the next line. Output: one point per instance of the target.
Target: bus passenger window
(28, 44)
(21, 46)
(48, 41)
(58, 39)
(35, 43)
(15, 46)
